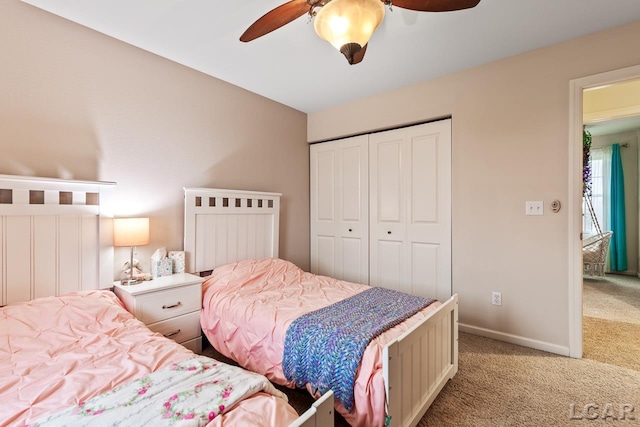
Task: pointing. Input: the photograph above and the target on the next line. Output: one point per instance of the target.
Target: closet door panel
(400, 236)
(410, 179)
(325, 170)
(424, 179)
(429, 221)
(424, 269)
(389, 265)
(353, 188)
(325, 180)
(326, 255)
(324, 224)
(340, 209)
(388, 177)
(423, 225)
(354, 263)
(387, 180)
(352, 170)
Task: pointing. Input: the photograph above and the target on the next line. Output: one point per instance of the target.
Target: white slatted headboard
(56, 237)
(225, 226)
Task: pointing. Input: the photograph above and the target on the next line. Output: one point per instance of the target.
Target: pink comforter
(249, 305)
(56, 352)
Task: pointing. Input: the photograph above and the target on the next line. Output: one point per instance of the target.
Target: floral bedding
(60, 352)
(192, 392)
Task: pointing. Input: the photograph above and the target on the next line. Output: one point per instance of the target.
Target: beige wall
(77, 104)
(510, 144)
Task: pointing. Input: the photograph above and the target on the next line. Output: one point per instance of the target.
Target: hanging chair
(596, 247)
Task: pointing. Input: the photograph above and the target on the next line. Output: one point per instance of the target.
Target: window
(597, 194)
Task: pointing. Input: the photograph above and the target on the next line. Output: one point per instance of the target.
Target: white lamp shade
(130, 231)
(341, 22)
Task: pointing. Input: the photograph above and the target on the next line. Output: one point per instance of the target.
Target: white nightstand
(169, 305)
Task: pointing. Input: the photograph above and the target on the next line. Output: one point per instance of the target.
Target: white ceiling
(296, 68)
(608, 127)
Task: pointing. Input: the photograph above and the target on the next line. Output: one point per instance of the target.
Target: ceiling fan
(346, 24)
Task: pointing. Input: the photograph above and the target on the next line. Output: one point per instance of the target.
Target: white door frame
(576, 87)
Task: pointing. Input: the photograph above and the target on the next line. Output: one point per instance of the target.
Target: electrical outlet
(496, 298)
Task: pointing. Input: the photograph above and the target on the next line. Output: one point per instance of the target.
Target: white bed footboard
(418, 364)
(319, 415)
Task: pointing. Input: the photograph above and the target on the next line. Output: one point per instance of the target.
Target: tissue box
(178, 261)
(161, 267)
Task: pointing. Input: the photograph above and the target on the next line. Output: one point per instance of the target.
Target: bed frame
(56, 237)
(224, 226)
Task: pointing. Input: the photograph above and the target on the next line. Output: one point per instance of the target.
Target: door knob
(388, 232)
(350, 230)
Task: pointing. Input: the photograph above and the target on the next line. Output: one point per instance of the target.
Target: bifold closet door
(339, 209)
(410, 209)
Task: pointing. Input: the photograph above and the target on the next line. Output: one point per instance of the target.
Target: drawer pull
(171, 334)
(166, 307)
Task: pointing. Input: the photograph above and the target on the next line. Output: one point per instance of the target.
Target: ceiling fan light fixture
(349, 24)
(349, 51)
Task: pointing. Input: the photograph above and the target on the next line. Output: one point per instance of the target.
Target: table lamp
(130, 232)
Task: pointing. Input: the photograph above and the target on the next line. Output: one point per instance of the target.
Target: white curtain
(600, 190)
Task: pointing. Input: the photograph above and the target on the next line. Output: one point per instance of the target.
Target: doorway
(611, 298)
(575, 291)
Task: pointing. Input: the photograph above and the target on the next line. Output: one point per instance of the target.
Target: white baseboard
(515, 339)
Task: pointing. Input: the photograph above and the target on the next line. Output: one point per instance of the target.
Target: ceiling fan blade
(275, 19)
(359, 56)
(435, 5)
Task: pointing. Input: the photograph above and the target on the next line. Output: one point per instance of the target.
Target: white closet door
(387, 158)
(410, 210)
(339, 209)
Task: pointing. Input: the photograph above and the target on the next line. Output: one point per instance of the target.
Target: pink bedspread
(56, 352)
(249, 305)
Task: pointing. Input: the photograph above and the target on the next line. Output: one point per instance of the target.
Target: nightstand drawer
(161, 305)
(179, 329)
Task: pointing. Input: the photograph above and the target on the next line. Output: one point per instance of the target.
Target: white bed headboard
(56, 237)
(225, 226)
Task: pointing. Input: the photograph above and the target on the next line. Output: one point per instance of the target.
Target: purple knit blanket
(324, 347)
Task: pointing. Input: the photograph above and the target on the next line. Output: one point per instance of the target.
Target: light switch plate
(534, 208)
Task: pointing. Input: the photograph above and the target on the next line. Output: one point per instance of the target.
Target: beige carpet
(500, 384)
(614, 297)
(611, 321)
(608, 341)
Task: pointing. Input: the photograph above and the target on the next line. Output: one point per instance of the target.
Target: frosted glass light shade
(341, 22)
(130, 231)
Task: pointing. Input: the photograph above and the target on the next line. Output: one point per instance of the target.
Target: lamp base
(129, 282)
